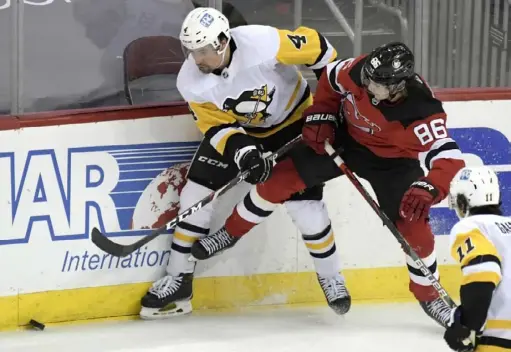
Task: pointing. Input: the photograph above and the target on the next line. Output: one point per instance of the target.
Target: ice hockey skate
(211, 245)
(336, 293)
(169, 296)
(438, 310)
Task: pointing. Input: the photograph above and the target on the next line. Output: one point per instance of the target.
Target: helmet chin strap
(223, 54)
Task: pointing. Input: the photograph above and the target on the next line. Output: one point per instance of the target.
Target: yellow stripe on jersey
(208, 116)
(473, 244)
(296, 115)
(486, 348)
(470, 245)
(219, 140)
(304, 46)
(483, 276)
(498, 324)
(295, 92)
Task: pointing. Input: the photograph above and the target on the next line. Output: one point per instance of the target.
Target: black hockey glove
(457, 335)
(250, 158)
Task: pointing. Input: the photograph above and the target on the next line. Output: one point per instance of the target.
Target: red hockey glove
(418, 199)
(317, 129)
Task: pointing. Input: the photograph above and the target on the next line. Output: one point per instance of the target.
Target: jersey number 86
(428, 132)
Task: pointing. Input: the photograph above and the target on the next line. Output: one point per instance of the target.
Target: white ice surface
(379, 328)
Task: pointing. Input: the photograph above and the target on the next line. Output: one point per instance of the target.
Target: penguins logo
(251, 106)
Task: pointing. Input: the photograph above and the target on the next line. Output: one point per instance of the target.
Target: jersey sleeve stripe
(333, 71)
(482, 267)
(325, 54)
(487, 258)
(485, 276)
(323, 47)
(215, 124)
(445, 154)
(219, 139)
(445, 148)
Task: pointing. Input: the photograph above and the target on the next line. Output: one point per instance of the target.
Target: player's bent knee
(310, 216)
(190, 230)
(192, 193)
(282, 184)
(419, 236)
(312, 193)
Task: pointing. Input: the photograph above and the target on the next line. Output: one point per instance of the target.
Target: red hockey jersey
(414, 127)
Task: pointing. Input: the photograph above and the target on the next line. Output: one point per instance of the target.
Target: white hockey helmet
(473, 187)
(202, 27)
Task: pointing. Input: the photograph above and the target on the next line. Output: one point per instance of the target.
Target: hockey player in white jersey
(247, 96)
(481, 243)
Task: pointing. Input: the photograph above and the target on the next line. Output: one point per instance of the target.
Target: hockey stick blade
(390, 225)
(120, 250)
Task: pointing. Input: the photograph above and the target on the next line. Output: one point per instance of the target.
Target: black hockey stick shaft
(390, 225)
(120, 250)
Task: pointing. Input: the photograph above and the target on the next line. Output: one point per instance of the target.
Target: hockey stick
(119, 250)
(387, 222)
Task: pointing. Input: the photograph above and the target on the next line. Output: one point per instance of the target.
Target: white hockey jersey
(261, 91)
(487, 238)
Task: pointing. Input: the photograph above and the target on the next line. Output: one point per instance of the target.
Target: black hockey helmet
(389, 65)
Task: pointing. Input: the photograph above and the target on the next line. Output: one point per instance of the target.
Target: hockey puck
(36, 325)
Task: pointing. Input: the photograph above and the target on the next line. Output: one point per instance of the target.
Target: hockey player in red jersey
(386, 122)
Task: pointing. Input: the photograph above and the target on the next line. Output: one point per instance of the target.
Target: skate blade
(191, 258)
(341, 308)
(181, 308)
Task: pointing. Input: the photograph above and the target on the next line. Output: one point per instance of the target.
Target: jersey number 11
(462, 252)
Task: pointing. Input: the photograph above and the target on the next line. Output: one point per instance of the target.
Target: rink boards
(122, 170)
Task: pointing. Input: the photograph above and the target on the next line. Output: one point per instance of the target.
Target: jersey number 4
(465, 249)
(297, 40)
